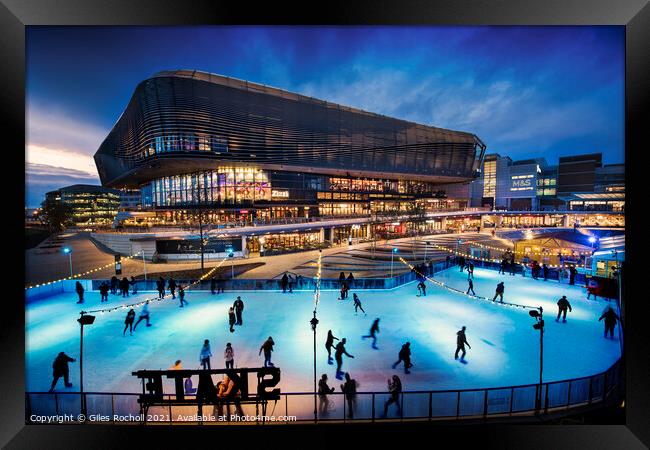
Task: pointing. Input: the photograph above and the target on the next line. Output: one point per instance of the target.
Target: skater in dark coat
(341, 278)
(513, 266)
(239, 308)
(103, 291)
(572, 275)
(461, 263)
(350, 279)
(231, 318)
(161, 287)
(114, 283)
(470, 286)
(338, 355)
(61, 369)
(374, 329)
(329, 343)
(461, 340)
(502, 266)
(213, 285)
(545, 271)
(267, 346)
(357, 304)
(144, 314)
(124, 286)
(323, 390)
(80, 292)
(181, 295)
(395, 388)
(499, 292)
(404, 355)
(470, 270)
(171, 284)
(284, 282)
(422, 289)
(128, 322)
(562, 305)
(134, 285)
(610, 321)
(349, 388)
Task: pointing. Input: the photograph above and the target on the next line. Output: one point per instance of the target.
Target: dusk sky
(525, 91)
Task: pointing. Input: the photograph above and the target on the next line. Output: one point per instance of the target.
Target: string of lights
(318, 276)
(81, 274)
(458, 291)
(167, 296)
(479, 244)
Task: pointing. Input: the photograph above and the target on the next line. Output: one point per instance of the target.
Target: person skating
(513, 266)
(422, 289)
(144, 314)
(124, 286)
(181, 295)
(499, 292)
(128, 322)
(349, 389)
(61, 369)
(231, 318)
(80, 292)
(545, 271)
(357, 304)
(323, 390)
(395, 388)
(470, 270)
(461, 263)
(341, 278)
(404, 356)
(502, 267)
(220, 284)
(461, 340)
(171, 284)
(204, 356)
(103, 291)
(229, 356)
(290, 280)
(338, 355)
(284, 282)
(134, 285)
(161, 287)
(562, 305)
(267, 347)
(592, 287)
(350, 279)
(114, 283)
(329, 343)
(572, 275)
(470, 287)
(374, 329)
(239, 308)
(610, 321)
(213, 285)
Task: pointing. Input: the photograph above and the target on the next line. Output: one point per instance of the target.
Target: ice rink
(504, 346)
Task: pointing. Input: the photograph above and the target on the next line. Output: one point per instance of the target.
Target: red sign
(243, 211)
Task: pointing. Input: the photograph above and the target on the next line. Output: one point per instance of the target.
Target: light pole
(313, 323)
(538, 315)
(145, 268)
(85, 319)
(392, 254)
(68, 251)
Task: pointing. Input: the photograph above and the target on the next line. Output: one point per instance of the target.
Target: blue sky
(525, 91)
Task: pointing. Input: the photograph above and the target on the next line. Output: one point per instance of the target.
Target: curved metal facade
(183, 121)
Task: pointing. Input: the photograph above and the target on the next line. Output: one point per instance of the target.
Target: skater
(128, 322)
(499, 292)
(61, 369)
(171, 284)
(338, 355)
(572, 275)
(284, 282)
(545, 271)
(329, 343)
(461, 340)
(134, 285)
(161, 287)
(461, 263)
(592, 289)
(422, 289)
(213, 285)
(204, 356)
(114, 284)
(610, 321)
(323, 390)
(470, 287)
(374, 329)
(181, 295)
(470, 270)
(447, 261)
(502, 267)
(239, 308)
(513, 267)
(349, 388)
(103, 291)
(220, 284)
(404, 355)
(231, 318)
(291, 280)
(350, 279)
(229, 356)
(357, 304)
(124, 286)
(562, 305)
(395, 388)
(144, 314)
(341, 278)
(80, 292)
(267, 346)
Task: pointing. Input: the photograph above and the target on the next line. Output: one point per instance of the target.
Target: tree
(56, 215)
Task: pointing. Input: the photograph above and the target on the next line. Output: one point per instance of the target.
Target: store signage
(521, 182)
(243, 211)
(279, 194)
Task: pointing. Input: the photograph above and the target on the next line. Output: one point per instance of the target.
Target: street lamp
(231, 255)
(392, 254)
(538, 315)
(313, 323)
(68, 251)
(85, 319)
(592, 240)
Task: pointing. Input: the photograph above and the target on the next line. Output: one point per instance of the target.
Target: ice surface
(505, 347)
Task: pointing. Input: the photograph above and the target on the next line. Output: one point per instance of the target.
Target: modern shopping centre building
(288, 171)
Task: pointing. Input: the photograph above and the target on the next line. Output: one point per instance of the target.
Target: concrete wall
(122, 243)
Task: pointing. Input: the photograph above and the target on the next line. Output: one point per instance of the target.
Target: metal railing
(558, 398)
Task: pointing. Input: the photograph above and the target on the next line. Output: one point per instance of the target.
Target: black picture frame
(15, 15)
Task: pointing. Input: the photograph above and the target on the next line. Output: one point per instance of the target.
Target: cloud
(43, 178)
(56, 157)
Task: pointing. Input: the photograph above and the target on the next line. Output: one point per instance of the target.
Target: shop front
(279, 243)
